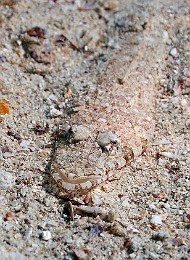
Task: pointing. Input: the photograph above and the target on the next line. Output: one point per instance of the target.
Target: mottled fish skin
(117, 123)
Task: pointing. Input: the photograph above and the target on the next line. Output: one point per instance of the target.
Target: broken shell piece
(46, 235)
(156, 219)
(167, 154)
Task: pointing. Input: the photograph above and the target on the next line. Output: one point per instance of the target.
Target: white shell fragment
(156, 219)
(167, 154)
(46, 235)
(173, 52)
(25, 143)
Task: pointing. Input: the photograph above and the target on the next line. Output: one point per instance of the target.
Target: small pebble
(132, 229)
(173, 52)
(80, 253)
(96, 229)
(80, 132)
(152, 206)
(117, 230)
(96, 200)
(46, 235)
(165, 36)
(111, 5)
(125, 203)
(166, 206)
(167, 154)
(25, 143)
(7, 180)
(54, 112)
(28, 233)
(156, 219)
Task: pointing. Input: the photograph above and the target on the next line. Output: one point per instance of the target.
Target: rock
(106, 138)
(156, 219)
(80, 132)
(125, 203)
(160, 235)
(55, 112)
(25, 143)
(117, 230)
(96, 200)
(28, 233)
(173, 52)
(96, 229)
(166, 206)
(7, 180)
(152, 206)
(166, 36)
(167, 154)
(80, 254)
(111, 5)
(70, 256)
(45, 235)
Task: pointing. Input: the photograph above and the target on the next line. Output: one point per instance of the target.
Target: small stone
(125, 203)
(166, 36)
(111, 5)
(96, 200)
(156, 219)
(96, 229)
(178, 241)
(61, 105)
(152, 206)
(173, 52)
(184, 102)
(166, 206)
(68, 92)
(167, 154)
(45, 235)
(105, 138)
(55, 112)
(7, 180)
(36, 32)
(70, 256)
(187, 226)
(80, 254)
(28, 233)
(25, 143)
(117, 230)
(160, 236)
(24, 191)
(52, 97)
(80, 132)
(131, 229)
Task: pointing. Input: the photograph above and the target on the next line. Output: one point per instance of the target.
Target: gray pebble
(105, 138)
(80, 132)
(173, 52)
(7, 180)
